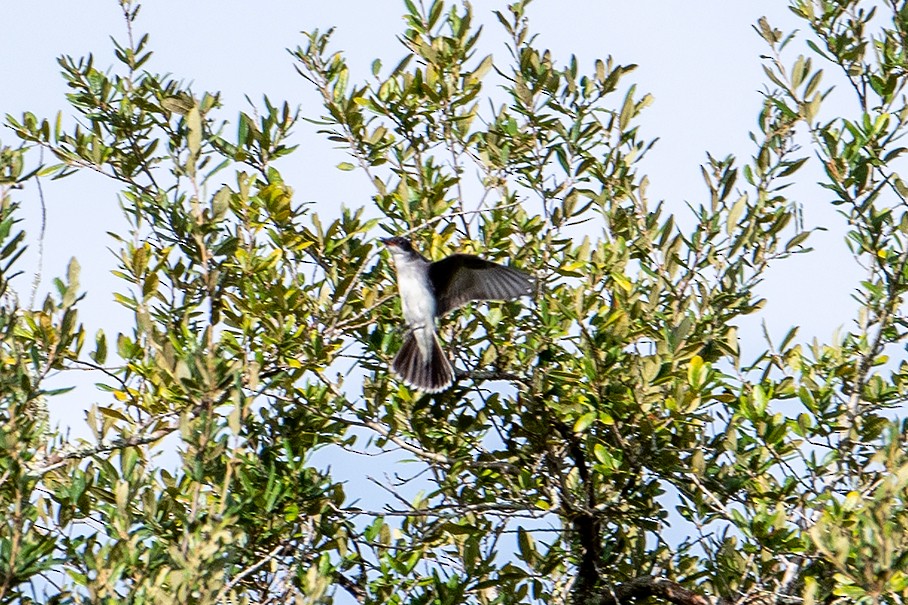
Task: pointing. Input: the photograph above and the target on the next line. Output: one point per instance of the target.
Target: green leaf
(100, 353)
(797, 240)
(760, 399)
(697, 372)
(527, 546)
(584, 422)
(194, 134)
(113, 413)
(72, 286)
(734, 214)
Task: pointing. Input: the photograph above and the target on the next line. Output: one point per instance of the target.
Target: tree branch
(57, 459)
(355, 590)
(248, 571)
(651, 586)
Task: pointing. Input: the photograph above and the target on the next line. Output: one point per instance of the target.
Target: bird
(429, 290)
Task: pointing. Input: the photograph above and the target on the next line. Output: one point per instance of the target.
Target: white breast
(416, 296)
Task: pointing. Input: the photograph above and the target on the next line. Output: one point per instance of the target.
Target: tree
(584, 428)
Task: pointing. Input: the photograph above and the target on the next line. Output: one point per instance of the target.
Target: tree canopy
(605, 443)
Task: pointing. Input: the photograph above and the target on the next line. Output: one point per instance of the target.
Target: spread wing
(461, 278)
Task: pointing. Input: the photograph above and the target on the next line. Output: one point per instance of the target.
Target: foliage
(588, 431)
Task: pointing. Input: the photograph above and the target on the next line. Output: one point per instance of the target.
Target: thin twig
(59, 458)
(222, 594)
(36, 282)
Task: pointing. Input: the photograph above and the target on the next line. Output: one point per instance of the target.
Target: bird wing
(461, 278)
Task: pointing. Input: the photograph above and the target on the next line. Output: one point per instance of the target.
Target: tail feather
(431, 375)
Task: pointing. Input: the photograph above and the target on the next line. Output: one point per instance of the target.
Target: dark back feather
(461, 278)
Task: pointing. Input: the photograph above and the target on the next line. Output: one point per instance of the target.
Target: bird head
(398, 244)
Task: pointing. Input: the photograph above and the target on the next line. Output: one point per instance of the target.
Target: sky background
(700, 61)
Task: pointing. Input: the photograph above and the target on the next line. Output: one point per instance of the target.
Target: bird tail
(431, 375)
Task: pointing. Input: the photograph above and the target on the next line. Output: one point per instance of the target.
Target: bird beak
(386, 241)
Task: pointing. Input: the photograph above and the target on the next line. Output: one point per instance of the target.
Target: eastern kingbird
(429, 290)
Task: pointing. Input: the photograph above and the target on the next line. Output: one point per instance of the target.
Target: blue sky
(701, 61)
